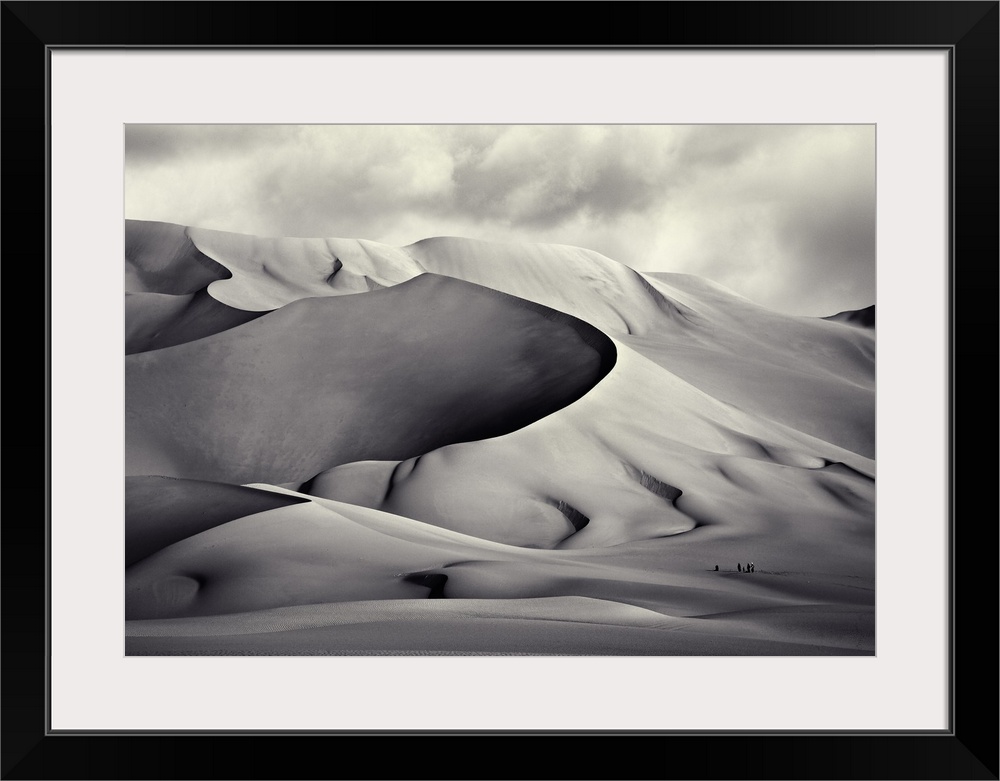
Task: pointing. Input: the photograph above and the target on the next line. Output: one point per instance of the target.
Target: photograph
(513, 384)
(501, 390)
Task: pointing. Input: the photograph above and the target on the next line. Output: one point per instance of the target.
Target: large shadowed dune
(157, 320)
(161, 258)
(385, 375)
(160, 511)
(166, 289)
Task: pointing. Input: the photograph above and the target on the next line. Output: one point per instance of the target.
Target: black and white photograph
(500, 390)
(515, 382)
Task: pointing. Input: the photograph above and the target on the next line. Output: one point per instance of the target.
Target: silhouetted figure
(748, 567)
(751, 566)
(739, 567)
(716, 567)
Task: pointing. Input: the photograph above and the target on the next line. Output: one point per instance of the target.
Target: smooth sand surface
(160, 511)
(805, 372)
(617, 468)
(548, 625)
(384, 375)
(473, 473)
(268, 273)
(273, 572)
(157, 320)
(161, 258)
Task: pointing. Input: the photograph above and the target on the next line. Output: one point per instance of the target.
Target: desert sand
(335, 446)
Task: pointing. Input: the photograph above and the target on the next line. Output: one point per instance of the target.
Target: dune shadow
(433, 581)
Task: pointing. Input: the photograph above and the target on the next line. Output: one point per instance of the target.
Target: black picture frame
(967, 750)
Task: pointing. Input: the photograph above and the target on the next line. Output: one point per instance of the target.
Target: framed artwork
(508, 444)
(501, 388)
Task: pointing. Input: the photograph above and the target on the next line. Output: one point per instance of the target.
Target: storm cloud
(782, 214)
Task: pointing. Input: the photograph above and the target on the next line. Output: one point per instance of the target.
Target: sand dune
(804, 372)
(327, 564)
(269, 273)
(166, 289)
(160, 511)
(157, 320)
(592, 456)
(470, 447)
(161, 258)
(863, 318)
(793, 370)
(186, 283)
(385, 375)
(571, 279)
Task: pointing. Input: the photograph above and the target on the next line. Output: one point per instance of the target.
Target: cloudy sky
(782, 214)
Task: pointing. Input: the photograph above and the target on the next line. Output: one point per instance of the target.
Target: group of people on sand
(740, 567)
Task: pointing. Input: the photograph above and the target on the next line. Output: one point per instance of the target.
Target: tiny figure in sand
(751, 566)
(739, 567)
(716, 567)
